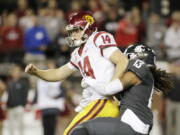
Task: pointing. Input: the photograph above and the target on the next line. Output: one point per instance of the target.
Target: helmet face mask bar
(82, 25)
(82, 38)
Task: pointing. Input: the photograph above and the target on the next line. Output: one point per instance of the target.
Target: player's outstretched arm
(51, 75)
(128, 79)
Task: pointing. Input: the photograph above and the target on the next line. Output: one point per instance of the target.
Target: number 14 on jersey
(86, 67)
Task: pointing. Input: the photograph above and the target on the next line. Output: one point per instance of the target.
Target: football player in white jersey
(97, 56)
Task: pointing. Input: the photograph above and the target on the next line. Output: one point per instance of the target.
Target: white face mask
(77, 42)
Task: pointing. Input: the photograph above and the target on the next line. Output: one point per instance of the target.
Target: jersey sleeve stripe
(96, 36)
(74, 65)
(104, 46)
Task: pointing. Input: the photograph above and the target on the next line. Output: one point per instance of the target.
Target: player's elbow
(113, 87)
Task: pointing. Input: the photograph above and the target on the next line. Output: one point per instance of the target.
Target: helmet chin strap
(86, 27)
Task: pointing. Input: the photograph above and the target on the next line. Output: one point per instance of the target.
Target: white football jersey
(92, 60)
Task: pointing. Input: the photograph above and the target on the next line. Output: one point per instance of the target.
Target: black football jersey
(139, 97)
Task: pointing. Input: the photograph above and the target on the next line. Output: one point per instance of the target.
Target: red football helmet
(80, 21)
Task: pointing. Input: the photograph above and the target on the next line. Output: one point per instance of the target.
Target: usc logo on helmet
(89, 19)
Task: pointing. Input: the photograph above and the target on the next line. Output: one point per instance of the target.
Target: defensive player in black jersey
(135, 89)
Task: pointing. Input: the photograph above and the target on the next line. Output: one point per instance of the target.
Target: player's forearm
(48, 75)
(120, 68)
(128, 79)
(108, 89)
(54, 75)
(112, 88)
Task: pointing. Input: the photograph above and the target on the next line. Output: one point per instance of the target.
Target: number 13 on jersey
(86, 67)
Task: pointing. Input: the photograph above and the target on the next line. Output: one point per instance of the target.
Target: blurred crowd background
(33, 31)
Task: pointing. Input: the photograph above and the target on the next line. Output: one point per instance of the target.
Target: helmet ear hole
(128, 55)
